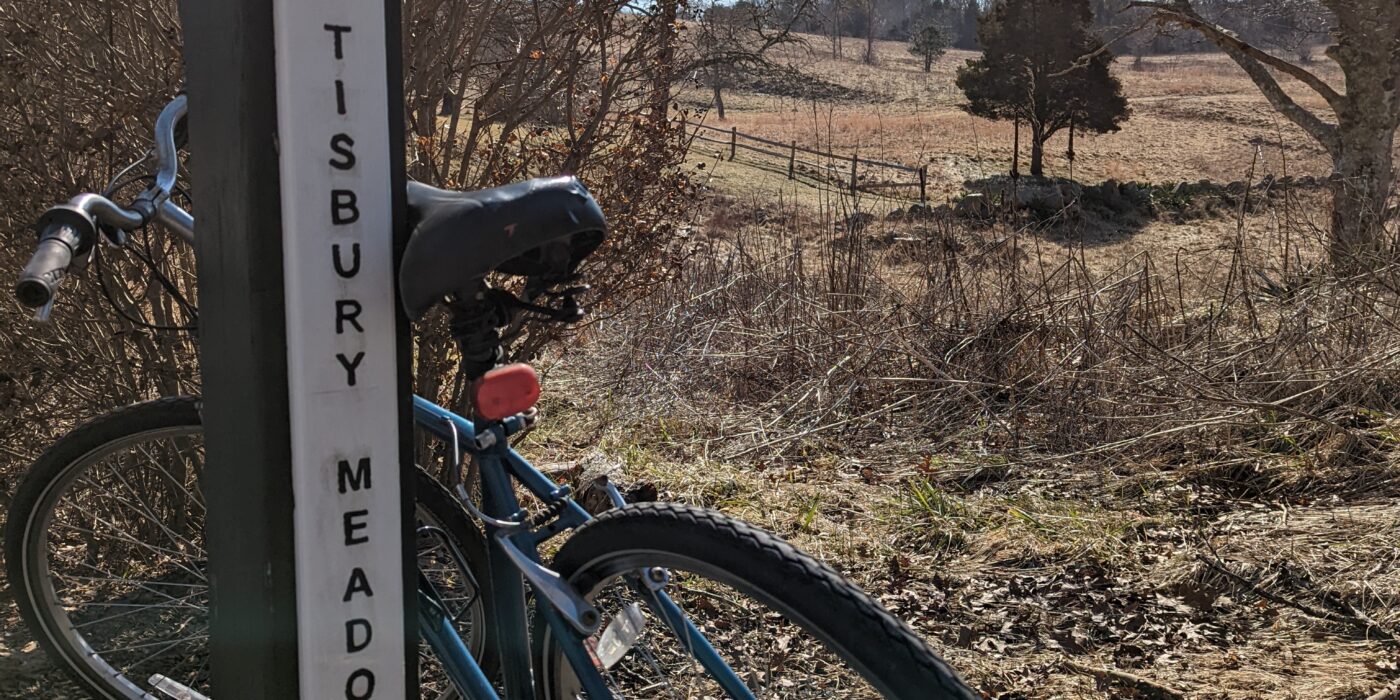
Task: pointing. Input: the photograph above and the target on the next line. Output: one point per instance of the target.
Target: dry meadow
(1100, 453)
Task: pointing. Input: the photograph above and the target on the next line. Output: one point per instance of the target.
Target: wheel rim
(76, 533)
(750, 642)
(459, 596)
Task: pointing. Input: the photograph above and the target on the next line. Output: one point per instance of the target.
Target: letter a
(358, 584)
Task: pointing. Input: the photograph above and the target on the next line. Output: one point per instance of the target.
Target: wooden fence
(833, 170)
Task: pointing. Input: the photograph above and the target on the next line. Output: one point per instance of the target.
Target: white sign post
(342, 370)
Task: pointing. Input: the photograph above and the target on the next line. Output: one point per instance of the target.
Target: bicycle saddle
(541, 228)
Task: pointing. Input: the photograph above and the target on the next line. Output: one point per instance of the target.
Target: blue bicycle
(104, 543)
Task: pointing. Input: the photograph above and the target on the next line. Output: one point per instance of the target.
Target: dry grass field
(1193, 117)
(1094, 457)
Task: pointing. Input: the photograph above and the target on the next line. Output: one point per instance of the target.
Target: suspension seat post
(475, 326)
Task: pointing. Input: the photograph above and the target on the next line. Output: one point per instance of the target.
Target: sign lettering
(333, 129)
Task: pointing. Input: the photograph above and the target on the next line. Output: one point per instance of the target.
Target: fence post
(854, 161)
(792, 161)
(923, 184)
(1016, 151)
(733, 140)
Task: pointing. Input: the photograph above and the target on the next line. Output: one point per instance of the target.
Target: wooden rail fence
(735, 140)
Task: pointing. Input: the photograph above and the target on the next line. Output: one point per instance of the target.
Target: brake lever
(43, 313)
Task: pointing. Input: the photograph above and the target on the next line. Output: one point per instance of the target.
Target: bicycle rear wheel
(787, 625)
(104, 549)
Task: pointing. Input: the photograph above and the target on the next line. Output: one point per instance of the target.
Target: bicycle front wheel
(786, 625)
(104, 545)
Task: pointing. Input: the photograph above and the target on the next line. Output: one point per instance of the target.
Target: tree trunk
(1037, 153)
(1366, 115)
(660, 97)
(836, 31)
(1362, 175)
(870, 33)
(719, 101)
(423, 117)
(928, 62)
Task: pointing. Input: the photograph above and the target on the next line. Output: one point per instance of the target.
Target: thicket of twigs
(1067, 468)
(82, 84)
(558, 88)
(1245, 363)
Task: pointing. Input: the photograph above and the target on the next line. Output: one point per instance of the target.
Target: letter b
(344, 207)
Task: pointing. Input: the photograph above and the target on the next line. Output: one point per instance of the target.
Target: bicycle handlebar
(68, 232)
(47, 267)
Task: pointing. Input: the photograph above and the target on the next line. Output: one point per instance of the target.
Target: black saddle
(541, 228)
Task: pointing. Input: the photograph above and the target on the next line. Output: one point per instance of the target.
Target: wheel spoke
(140, 585)
(146, 645)
(134, 608)
(747, 612)
(146, 514)
(174, 557)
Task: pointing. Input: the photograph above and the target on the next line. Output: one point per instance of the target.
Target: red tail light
(506, 391)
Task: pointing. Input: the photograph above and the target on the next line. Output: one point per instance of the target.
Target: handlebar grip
(48, 266)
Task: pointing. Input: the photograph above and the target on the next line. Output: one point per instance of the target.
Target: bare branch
(1390, 692)
(1253, 60)
(1083, 61)
(1143, 687)
(1181, 11)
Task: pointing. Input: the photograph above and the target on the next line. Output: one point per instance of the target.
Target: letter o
(368, 677)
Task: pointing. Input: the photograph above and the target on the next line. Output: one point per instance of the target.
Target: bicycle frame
(512, 558)
(512, 538)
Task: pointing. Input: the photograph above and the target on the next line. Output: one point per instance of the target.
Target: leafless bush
(542, 88)
(536, 88)
(82, 84)
(986, 345)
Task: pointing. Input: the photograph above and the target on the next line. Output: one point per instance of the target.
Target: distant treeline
(1287, 26)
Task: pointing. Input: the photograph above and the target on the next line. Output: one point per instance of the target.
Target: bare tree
(729, 41)
(543, 87)
(1359, 133)
(1295, 26)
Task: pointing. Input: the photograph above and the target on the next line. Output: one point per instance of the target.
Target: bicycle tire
(884, 651)
(41, 489)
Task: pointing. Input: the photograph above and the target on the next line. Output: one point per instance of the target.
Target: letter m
(355, 478)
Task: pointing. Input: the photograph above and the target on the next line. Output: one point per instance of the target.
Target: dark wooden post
(733, 140)
(1016, 150)
(854, 161)
(792, 161)
(247, 437)
(271, 269)
(923, 184)
(1069, 153)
